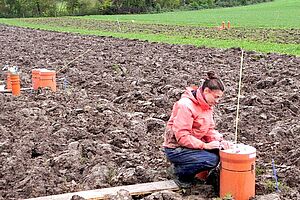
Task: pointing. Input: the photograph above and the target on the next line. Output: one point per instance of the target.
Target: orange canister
(35, 74)
(223, 25)
(15, 84)
(8, 81)
(237, 172)
(47, 79)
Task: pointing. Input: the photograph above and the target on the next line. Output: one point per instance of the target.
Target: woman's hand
(226, 145)
(218, 136)
(212, 145)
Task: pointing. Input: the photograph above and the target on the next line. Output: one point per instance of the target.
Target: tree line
(53, 8)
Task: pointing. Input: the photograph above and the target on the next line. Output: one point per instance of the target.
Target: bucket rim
(246, 150)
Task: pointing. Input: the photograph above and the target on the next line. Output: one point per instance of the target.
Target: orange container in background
(47, 79)
(237, 174)
(223, 25)
(15, 84)
(8, 81)
(35, 73)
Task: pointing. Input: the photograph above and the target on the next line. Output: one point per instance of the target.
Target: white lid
(44, 70)
(240, 149)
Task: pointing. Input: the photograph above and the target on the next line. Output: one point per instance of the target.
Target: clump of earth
(104, 126)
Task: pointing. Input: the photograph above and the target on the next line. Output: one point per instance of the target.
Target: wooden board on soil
(137, 189)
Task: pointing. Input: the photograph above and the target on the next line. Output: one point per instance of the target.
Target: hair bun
(211, 75)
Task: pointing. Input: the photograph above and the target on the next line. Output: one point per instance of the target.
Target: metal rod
(275, 175)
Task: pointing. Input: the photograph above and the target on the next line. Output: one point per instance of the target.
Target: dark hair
(213, 82)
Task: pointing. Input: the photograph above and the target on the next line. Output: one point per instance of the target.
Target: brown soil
(104, 126)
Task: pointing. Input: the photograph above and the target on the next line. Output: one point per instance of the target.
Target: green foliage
(116, 68)
(157, 7)
(106, 6)
(203, 4)
(39, 8)
(27, 8)
(82, 7)
(170, 4)
(259, 171)
(228, 196)
(271, 186)
(194, 6)
(71, 6)
(111, 174)
(61, 8)
(44, 8)
(88, 7)
(231, 3)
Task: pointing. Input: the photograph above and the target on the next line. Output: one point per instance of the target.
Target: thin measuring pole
(275, 175)
(66, 65)
(238, 103)
(118, 24)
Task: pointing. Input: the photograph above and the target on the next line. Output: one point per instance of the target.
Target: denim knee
(212, 160)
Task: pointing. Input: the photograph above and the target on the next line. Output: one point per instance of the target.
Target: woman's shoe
(183, 184)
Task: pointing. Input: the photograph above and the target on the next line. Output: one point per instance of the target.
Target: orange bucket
(237, 174)
(47, 79)
(8, 81)
(35, 73)
(223, 25)
(15, 84)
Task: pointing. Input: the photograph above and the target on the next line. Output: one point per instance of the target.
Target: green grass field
(276, 14)
(280, 14)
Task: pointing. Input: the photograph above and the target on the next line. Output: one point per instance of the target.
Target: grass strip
(279, 14)
(292, 49)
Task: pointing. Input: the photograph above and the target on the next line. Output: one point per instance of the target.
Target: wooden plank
(5, 91)
(9, 90)
(137, 189)
(24, 89)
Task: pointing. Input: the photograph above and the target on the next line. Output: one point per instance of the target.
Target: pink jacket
(191, 123)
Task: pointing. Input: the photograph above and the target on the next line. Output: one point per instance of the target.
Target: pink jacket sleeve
(182, 127)
(213, 135)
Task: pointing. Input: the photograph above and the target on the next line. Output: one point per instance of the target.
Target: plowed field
(104, 125)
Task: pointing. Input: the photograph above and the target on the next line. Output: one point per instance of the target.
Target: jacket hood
(199, 100)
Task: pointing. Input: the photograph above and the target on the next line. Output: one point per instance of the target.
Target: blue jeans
(189, 162)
